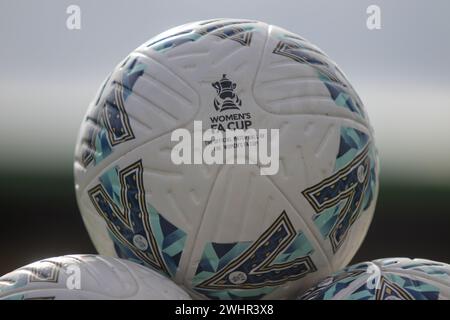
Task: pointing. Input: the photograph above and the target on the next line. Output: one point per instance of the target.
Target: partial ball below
(87, 277)
(386, 279)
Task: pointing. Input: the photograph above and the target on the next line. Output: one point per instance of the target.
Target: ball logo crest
(226, 98)
(279, 255)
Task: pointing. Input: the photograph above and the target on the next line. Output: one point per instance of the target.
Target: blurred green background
(49, 74)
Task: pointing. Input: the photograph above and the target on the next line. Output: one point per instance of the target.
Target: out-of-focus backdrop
(49, 74)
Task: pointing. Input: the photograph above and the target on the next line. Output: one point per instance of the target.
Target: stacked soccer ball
(217, 229)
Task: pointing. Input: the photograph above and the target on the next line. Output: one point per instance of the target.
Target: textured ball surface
(386, 279)
(226, 231)
(87, 277)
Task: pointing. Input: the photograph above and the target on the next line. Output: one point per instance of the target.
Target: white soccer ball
(89, 277)
(228, 231)
(386, 279)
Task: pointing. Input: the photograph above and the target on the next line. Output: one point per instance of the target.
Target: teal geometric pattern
(108, 121)
(253, 269)
(139, 232)
(357, 283)
(215, 257)
(239, 31)
(13, 281)
(340, 90)
(45, 271)
(339, 199)
(340, 281)
(170, 240)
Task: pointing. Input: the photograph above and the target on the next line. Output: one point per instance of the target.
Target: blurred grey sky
(48, 74)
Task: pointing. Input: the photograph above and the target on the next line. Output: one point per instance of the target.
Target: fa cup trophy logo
(226, 98)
